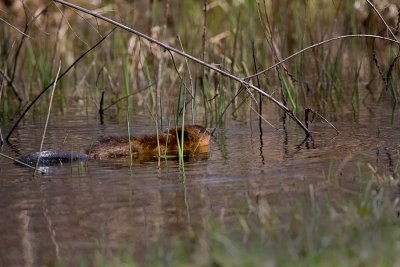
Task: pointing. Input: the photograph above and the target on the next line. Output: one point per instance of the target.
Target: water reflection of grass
(329, 228)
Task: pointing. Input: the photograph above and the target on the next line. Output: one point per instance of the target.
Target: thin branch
(11, 84)
(182, 82)
(319, 44)
(227, 106)
(167, 47)
(47, 119)
(70, 27)
(258, 84)
(383, 20)
(124, 97)
(61, 75)
(15, 28)
(160, 70)
(308, 110)
(56, 43)
(190, 79)
(21, 42)
(262, 118)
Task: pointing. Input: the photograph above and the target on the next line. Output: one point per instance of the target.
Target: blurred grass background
(331, 79)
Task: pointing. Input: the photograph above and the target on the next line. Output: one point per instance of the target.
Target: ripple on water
(84, 207)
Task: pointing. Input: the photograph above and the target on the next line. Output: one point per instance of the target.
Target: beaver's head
(194, 136)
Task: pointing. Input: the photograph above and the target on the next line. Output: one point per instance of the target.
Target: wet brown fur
(196, 140)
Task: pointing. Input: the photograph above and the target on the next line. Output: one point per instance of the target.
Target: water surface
(75, 211)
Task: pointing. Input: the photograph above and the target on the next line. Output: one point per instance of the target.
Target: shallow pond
(75, 211)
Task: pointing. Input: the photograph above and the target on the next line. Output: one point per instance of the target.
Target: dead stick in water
(170, 48)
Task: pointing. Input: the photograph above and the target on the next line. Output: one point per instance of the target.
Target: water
(77, 211)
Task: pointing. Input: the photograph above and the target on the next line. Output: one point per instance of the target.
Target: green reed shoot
(126, 75)
(290, 93)
(129, 136)
(183, 111)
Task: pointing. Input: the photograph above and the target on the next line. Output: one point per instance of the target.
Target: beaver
(196, 139)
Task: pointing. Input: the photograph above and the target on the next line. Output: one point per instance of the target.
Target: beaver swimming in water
(196, 139)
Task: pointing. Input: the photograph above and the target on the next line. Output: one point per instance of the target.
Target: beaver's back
(195, 137)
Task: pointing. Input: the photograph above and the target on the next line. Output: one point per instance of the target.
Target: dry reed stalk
(159, 81)
(47, 118)
(190, 80)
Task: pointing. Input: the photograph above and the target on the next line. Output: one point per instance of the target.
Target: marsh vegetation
(303, 168)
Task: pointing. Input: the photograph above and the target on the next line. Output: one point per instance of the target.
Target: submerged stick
(170, 48)
(51, 84)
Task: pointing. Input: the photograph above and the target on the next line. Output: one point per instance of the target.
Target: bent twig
(319, 44)
(172, 49)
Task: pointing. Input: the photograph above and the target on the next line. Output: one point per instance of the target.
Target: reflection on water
(75, 211)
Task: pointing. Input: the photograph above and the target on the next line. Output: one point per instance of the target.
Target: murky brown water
(75, 211)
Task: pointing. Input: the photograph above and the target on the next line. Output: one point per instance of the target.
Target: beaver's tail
(53, 157)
